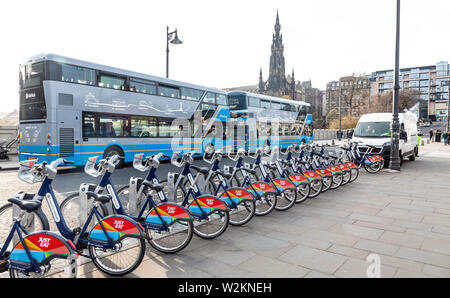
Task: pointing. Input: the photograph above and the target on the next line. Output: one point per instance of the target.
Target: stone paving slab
(404, 219)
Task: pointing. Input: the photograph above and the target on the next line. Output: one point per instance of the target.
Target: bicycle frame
(18, 229)
(46, 191)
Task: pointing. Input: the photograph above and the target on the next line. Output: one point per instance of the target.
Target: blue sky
(225, 42)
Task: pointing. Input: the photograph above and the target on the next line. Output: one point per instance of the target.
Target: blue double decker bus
(76, 109)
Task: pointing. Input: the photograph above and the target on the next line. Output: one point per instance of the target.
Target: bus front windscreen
(32, 101)
(373, 130)
(237, 102)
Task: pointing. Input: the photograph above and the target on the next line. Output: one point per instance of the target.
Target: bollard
(332, 142)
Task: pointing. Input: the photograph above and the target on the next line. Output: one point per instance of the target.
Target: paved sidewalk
(402, 218)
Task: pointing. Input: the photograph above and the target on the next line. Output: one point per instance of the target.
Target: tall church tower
(277, 84)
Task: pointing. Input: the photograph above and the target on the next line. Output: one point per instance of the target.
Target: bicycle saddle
(28, 206)
(98, 197)
(204, 171)
(156, 188)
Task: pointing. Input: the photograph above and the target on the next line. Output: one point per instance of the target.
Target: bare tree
(382, 103)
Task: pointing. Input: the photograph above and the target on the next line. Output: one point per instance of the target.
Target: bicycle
(372, 165)
(168, 227)
(286, 191)
(241, 202)
(36, 253)
(106, 240)
(302, 184)
(263, 192)
(211, 214)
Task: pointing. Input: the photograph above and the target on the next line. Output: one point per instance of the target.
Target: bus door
(68, 128)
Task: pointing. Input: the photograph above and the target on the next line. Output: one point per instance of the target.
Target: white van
(375, 130)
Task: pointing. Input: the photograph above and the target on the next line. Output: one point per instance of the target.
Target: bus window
(265, 104)
(237, 102)
(191, 94)
(142, 86)
(143, 128)
(253, 102)
(168, 91)
(275, 106)
(111, 82)
(166, 129)
(113, 127)
(31, 75)
(221, 99)
(89, 126)
(210, 98)
(76, 74)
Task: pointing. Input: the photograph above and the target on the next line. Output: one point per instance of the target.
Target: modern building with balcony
(430, 82)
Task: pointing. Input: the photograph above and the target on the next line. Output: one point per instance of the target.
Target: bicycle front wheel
(122, 259)
(34, 221)
(71, 210)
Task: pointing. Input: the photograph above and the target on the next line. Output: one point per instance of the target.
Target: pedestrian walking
(445, 137)
(431, 134)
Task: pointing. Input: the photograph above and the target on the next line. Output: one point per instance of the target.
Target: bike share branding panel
(41, 247)
(334, 169)
(261, 188)
(351, 165)
(116, 227)
(314, 175)
(298, 179)
(283, 184)
(236, 196)
(169, 213)
(343, 167)
(206, 205)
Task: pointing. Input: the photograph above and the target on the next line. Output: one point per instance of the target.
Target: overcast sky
(225, 42)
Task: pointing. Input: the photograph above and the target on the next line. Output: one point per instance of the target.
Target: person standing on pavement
(431, 134)
(445, 137)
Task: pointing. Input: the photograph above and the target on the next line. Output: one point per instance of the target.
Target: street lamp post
(174, 40)
(340, 111)
(395, 130)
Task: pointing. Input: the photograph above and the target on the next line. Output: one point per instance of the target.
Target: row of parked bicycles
(112, 226)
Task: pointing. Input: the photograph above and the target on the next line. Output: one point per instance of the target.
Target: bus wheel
(114, 150)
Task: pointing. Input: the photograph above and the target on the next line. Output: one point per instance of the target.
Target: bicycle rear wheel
(336, 180)
(122, 259)
(354, 174)
(213, 226)
(286, 199)
(303, 191)
(373, 168)
(172, 240)
(316, 188)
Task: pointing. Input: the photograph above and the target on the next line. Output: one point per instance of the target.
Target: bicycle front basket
(90, 168)
(27, 172)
